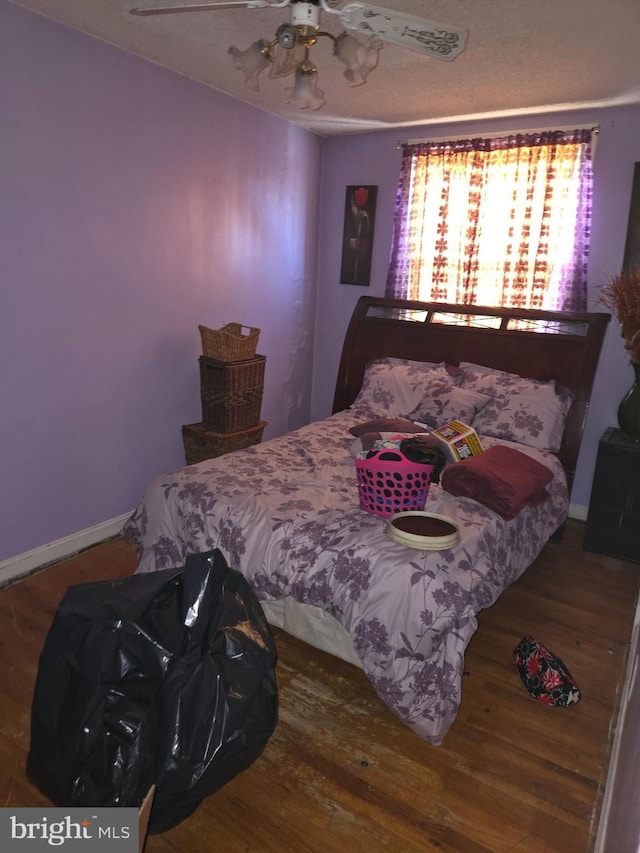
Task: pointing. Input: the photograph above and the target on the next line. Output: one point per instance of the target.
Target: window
(500, 221)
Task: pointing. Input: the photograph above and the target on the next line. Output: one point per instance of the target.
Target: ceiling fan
(288, 51)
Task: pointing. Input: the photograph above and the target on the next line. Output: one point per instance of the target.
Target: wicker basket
(200, 443)
(228, 343)
(231, 393)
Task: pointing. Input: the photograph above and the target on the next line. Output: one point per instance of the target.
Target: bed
(286, 512)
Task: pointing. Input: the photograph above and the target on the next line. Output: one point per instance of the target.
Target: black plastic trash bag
(164, 679)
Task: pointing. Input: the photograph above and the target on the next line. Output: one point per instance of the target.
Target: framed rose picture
(357, 236)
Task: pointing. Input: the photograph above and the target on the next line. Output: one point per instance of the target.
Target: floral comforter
(286, 514)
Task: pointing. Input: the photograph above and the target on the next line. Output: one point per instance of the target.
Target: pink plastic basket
(388, 482)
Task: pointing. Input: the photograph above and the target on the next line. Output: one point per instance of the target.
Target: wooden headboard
(537, 344)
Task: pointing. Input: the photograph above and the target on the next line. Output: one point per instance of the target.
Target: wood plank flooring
(341, 773)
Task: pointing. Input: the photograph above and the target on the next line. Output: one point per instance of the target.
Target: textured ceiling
(521, 57)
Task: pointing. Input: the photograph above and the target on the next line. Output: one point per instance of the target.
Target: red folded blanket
(501, 478)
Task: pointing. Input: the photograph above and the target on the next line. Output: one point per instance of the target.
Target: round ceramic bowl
(426, 531)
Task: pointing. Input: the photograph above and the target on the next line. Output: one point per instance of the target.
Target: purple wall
(374, 158)
(134, 205)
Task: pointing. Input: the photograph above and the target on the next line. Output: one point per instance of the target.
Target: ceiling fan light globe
(304, 94)
(360, 57)
(252, 61)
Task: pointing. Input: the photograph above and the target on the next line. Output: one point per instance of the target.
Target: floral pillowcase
(443, 403)
(526, 411)
(454, 374)
(395, 387)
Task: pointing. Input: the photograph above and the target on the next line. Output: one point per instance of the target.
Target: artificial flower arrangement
(621, 295)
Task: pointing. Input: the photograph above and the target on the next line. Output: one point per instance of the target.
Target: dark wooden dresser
(613, 522)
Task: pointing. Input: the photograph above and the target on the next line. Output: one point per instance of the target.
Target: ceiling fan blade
(206, 7)
(441, 41)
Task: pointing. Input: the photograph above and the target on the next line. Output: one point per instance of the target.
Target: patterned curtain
(495, 221)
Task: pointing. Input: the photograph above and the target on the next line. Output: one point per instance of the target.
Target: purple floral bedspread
(286, 514)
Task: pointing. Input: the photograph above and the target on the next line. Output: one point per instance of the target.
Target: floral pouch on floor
(544, 675)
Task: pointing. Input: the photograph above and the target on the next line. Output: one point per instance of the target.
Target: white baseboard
(578, 511)
(23, 564)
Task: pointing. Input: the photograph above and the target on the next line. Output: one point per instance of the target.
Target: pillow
(455, 373)
(523, 410)
(386, 425)
(444, 403)
(396, 389)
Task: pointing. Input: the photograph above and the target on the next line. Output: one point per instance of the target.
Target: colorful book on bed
(457, 441)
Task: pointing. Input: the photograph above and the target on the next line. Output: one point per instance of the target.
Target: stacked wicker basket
(231, 385)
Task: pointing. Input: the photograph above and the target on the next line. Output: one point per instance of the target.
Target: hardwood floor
(341, 773)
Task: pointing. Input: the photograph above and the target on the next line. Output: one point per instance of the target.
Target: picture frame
(632, 244)
(357, 234)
